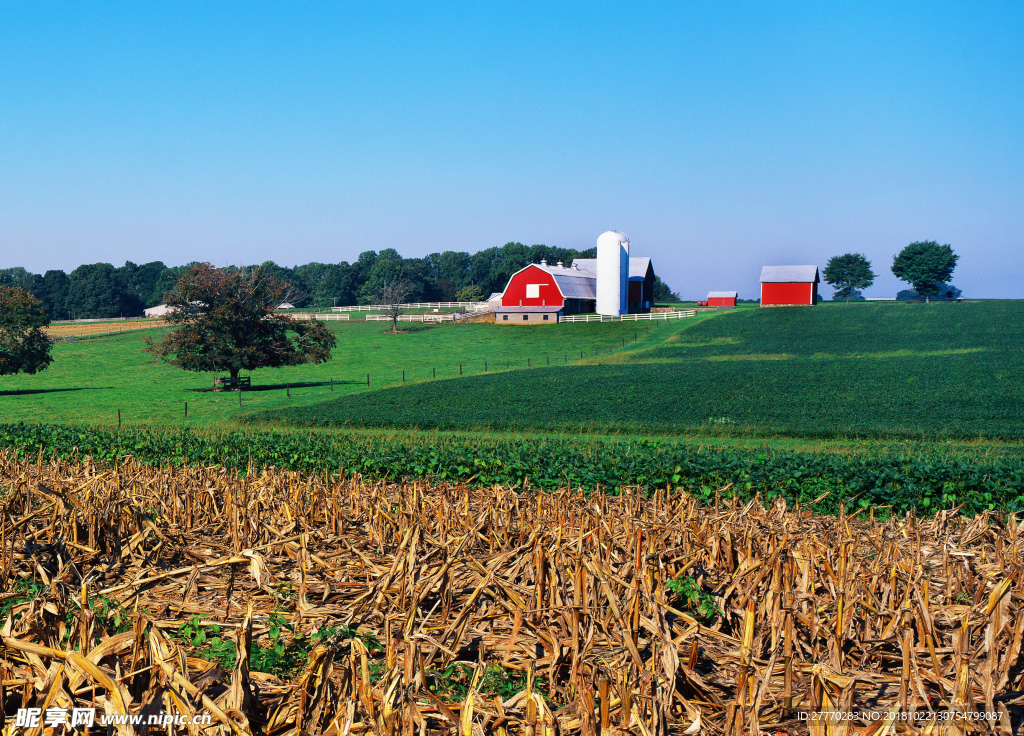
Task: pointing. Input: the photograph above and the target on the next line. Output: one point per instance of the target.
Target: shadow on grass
(277, 386)
(27, 391)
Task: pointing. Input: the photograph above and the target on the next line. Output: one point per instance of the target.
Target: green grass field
(898, 371)
(860, 370)
(89, 381)
(918, 406)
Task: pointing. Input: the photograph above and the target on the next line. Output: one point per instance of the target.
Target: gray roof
(789, 274)
(573, 283)
(637, 266)
(584, 264)
(520, 310)
(721, 294)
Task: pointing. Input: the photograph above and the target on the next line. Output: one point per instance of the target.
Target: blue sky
(719, 136)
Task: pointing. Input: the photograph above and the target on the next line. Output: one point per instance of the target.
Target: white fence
(413, 305)
(628, 317)
(412, 318)
(450, 316)
(322, 317)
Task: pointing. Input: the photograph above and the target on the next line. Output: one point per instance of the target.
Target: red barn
(789, 285)
(722, 298)
(539, 293)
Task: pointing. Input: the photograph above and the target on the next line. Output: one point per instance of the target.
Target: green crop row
(922, 480)
(868, 371)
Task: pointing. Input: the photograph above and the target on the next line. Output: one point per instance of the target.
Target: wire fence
(64, 332)
(397, 376)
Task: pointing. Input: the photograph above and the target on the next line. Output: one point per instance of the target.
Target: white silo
(612, 272)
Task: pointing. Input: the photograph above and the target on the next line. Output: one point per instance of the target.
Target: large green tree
(98, 290)
(225, 321)
(24, 347)
(55, 298)
(847, 273)
(926, 265)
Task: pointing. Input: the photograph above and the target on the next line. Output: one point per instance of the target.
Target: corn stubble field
(283, 603)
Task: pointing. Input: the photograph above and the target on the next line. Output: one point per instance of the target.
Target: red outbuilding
(789, 285)
(722, 298)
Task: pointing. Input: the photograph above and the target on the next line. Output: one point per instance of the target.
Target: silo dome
(612, 237)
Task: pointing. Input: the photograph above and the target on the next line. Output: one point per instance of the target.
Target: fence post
(623, 342)
(549, 359)
(485, 366)
(435, 372)
(332, 384)
(239, 395)
(403, 375)
(460, 369)
(287, 389)
(119, 419)
(367, 379)
(186, 410)
(527, 362)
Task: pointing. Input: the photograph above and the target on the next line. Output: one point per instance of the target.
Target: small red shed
(722, 298)
(789, 285)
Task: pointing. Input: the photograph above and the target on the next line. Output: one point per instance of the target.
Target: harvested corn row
(277, 603)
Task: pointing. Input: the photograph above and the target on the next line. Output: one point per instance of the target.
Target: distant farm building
(613, 283)
(158, 311)
(722, 298)
(789, 285)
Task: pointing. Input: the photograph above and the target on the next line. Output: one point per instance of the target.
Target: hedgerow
(923, 480)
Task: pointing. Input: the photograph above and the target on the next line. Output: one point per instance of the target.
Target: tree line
(101, 290)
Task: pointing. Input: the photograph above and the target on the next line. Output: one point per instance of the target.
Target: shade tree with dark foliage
(224, 320)
(926, 265)
(24, 347)
(848, 273)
